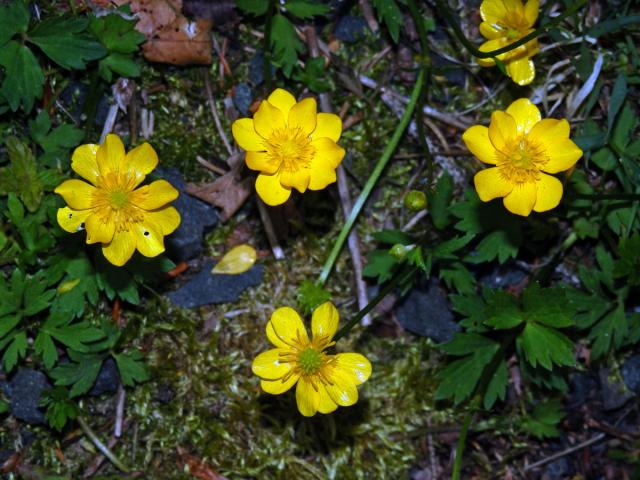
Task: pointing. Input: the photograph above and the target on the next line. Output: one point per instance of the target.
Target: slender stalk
(373, 179)
(462, 439)
(267, 45)
(454, 24)
(101, 446)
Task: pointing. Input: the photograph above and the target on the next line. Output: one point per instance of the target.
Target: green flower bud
(398, 251)
(415, 200)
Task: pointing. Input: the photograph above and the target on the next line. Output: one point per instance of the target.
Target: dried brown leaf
(225, 192)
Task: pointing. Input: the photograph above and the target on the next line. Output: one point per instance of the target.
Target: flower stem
(453, 22)
(267, 46)
(101, 446)
(373, 179)
(462, 439)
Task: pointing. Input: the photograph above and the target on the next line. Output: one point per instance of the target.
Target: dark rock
(614, 394)
(242, 98)
(196, 218)
(631, 373)
(256, 68)
(108, 378)
(558, 469)
(583, 387)
(206, 288)
(5, 455)
(165, 393)
(504, 276)
(425, 311)
(26, 389)
(350, 28)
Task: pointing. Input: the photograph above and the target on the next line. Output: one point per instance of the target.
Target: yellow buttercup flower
(324, 381)
(505, 22)
(522, 146)
(111, 209)
(291, 145)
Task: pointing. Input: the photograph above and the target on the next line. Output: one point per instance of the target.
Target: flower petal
(121, 248)
(525, 113)
(246, 136)
(531, 9)
(77, 194)
(491, 31)
(282, 100)
(140, 161)
(521, 70)
(476, 139)
(502, 130)
(99, 229)
(307, 398)
(261, 162)
(521, 199)
(276, 387)
(149, 239)
(72, 220)
(493, 11)
(326, 404)
(324, 321)
(267, 119)
(165, 219)
(154, 195)
(549, 193)
(355, 365)
(285, 328)
(490, 184)
(328, 155)
(267, 365)
(303, 116)
(549, 129)
(343, 388)
(489, 46)
(271, 190)
(328, 125)
(563, 154)
(298, 179)
(83, 162)
(111, 155)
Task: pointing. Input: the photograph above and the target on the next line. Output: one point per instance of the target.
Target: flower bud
(398, 251)
(415, 200)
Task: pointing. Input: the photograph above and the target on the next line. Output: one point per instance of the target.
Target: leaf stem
(462, 439)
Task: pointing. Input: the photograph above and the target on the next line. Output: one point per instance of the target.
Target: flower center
(310, 361)
(118, 199)
(290, 149)
(522, 161)
(112, 202)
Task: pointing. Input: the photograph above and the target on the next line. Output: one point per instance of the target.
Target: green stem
(101, 446)
(453, 22)
(267, 46)
(375, 175)
(462, 439)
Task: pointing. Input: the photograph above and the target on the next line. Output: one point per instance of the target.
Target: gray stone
(425, 311)
(350, 28)
(206, 288)
(614, 394)
(107, 379)
(26, 389)
(242, 98)
(631, 373)
(197, 217)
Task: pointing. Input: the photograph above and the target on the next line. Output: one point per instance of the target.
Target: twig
(368, 14)
(414, 220)
(120, 398)
(276, 249)
(210, 166)
(109, 123)
(214, 111)
(101, 446)
(567, 451)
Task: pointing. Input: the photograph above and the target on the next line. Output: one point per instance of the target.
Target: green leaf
(21, 176)
(623, 129)
(306, 8)
(16, 210)
(497, 387)
(45, 347)
(119, 63)
(605, 159)
(543, 421)
(4, 406)
(618, 95)
(545, 346)
(500, 244)
(62, 41)
(284, 43)
(253, 7)
(459, 277)
(380, 264)
(503, 311)
(8, 323)
(467, 343)
(14, 18)
(23, 77)
(389, 12)
(629, 263)
(609, 332)
(471, 306)
(311, 295)
(60, 408)
(131, 367)
(445, 250)
(440, 201)
(392, 237)
(17, 349)
(116, 33)
(81, 373)
(548, 306)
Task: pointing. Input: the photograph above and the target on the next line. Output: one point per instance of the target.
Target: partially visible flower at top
(522, 146)
(291, 145)
(505, 22)
(324, 381)
(111, 209)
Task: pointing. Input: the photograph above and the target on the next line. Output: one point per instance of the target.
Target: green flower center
(310, 361)
(119, 199)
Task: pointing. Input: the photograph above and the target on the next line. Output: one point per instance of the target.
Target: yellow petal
(140, 161)
(328, 125)
(268, 366)
(77, 194)
(261, 162)
(276, 387)
(285, 328)
(531, 9)
(563, 154)
(111, 155)
(303, 116)
(99, 231)
(154, 195)
(502, 130)
(327, 157)
(72, 221)
(549, 130)
(491, 31)
(324, 321)
(493, 11)
(325, 404)
(490, 46)
(298, 179)
(237, 260)
(165, 219)
(549, 193)
(521, 199)
(476, 139)
(491, 184)
(120, 249)
(149, 239)
(307, 398)
(525, 113)
(321, 177)
(267, 119)
(271, 190)
(84, 163)
(342, 389)
(282, 100)
(521, 70)
(355, 365)
(246, 136)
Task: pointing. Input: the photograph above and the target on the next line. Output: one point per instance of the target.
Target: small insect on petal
(237, 260)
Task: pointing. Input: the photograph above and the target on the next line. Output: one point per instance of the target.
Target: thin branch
(214, 111)
(101, 446)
